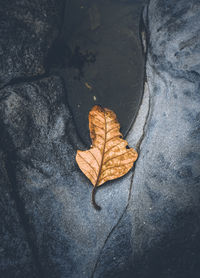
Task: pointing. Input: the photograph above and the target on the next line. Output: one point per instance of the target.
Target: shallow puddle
(103, 60)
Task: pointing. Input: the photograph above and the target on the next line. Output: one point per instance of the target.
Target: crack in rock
(113, 228)
(138, 130)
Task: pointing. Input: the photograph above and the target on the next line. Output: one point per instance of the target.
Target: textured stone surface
(27, 30)
(166, 232)
(165, 201)
(66, 229)
(16, 259)
(149, 222)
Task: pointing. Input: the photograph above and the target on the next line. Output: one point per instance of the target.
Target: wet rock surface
(104, 61)
(149, 222)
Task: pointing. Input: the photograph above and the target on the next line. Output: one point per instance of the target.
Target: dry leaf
(108, 158)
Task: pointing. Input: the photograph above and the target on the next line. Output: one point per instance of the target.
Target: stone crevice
(138, 145)
(114, 227)
(21, 80)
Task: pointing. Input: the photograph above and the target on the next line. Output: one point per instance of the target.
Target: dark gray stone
(149, 222)
(66, 229)
(16, 259)
(27, 30)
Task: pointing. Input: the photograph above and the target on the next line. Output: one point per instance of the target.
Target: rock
(149, 222)
(163, 210)
(16, 259)
(27, 31)
(66, 229)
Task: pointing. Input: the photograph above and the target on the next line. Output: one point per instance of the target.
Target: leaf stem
(93, 199)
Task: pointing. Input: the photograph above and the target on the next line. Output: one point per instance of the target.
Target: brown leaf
(108, 158)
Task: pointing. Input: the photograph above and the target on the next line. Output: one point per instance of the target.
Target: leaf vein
(113, 147)
(98, 127)
(118, 166)
(94, 157)
(111, 129)
(99, 116)
(117, 136)
(117, 156)
(88, 164)
(100, 136)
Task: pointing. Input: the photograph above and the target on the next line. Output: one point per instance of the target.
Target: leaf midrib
(102, 159)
